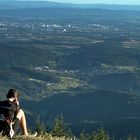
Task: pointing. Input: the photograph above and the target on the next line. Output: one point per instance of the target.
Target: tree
(130, 137)
(40, 126)
(99, 135)
(84, 136)
(60, 128)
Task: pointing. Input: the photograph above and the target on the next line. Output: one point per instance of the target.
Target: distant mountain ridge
(30, 4)
(6, 4)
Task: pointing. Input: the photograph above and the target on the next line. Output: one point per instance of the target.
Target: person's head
(12, 93)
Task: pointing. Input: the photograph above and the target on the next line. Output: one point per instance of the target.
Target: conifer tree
(100, 135)
(130, 137)
(40, 126)
(59, 128)
(84, 136)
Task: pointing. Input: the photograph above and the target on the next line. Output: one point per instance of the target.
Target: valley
(83, 63)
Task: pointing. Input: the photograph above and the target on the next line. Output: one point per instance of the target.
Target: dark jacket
(8, 110)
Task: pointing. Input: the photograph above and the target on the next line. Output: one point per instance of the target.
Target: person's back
(7, 113)
(12, 115)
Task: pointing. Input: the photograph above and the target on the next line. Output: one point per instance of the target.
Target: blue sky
(134, 2)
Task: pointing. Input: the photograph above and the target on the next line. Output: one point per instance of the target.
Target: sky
(129, 2)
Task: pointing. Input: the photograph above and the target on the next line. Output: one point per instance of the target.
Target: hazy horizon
(119, 2)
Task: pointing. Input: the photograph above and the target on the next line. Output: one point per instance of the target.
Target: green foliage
(130, 137)
(40, 126)
(60, 128)
(83, 136)
(99, 135)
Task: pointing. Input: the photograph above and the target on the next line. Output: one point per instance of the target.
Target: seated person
(11, 115)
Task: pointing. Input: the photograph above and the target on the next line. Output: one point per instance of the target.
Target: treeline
(61, 130)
